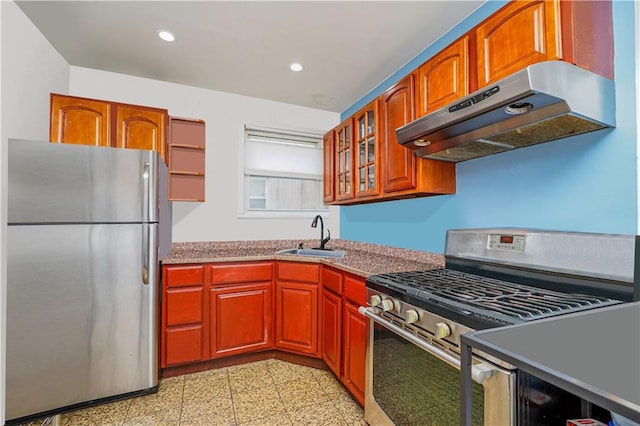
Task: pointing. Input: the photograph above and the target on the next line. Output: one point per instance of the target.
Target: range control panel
(507, 242)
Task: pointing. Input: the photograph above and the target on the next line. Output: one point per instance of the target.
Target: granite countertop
(363, 259)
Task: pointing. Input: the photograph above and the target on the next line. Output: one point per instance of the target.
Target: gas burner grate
(502, 299)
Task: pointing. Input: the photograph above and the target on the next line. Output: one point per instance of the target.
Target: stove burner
(503, 300)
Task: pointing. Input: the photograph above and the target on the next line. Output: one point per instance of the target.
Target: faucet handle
(300, 246)
(326, 240)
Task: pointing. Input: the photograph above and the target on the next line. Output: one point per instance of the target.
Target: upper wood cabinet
(366, 143)
(403, 173)
(530, 31)
(444, 78)
(328, 182)
(79, 121)
(103, 123)
(344, 160)
(399, 172)
(520, 34)
(140, 127)
(186, 159)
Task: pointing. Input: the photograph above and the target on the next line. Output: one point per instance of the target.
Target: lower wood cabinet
(217, 310)
(331, 326)
(297, 307)
(183, 323)
(241, 319)
(343, 328)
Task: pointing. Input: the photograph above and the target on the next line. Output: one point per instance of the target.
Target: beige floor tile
(248, 377)
(281, 419)
(206, 388)
(105, 414)
(331, 386)
(217, 411)
(350, 410)
(168, 417)
(169, 395)
(257, 404)
(322, 414)
(297, 393)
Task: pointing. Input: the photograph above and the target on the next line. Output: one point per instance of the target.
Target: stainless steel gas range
(492, 277)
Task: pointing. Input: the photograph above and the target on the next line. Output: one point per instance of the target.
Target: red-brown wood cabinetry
(331, 319)
(403, 173)
(528, 31)
(240, 308)
(445, 77)
(343, 328)
(328, 180)
(103, 123)
(79, 121)
(183, 325)
(297, 307)
(365, 149)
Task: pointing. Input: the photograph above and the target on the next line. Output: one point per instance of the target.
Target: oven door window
(414, 387)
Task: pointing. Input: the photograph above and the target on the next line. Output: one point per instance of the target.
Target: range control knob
(386, 305)
(412, 316)
(375, 300)
(442, 330)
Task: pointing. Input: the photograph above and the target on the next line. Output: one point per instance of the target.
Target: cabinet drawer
(241, 273)
(332, 280)
(299, 272)
(185, 305)
(187, 160)
(178, 276)
(184, 344)
(355, 290)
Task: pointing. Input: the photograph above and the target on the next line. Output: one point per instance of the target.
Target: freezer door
(66, 183)
(81, 322)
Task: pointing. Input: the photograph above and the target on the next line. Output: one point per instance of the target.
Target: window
(282, 172)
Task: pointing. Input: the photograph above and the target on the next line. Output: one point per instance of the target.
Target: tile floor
(269, 392)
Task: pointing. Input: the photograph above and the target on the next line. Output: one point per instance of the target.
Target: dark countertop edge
(569, 383)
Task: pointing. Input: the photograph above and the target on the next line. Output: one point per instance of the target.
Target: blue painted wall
(582, 183)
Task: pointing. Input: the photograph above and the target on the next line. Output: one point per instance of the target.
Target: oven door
(414, 380)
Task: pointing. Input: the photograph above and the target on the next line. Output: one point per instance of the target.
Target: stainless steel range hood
(543, 102)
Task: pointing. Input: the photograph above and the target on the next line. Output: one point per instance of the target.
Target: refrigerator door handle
(146, 191)
(145, 253)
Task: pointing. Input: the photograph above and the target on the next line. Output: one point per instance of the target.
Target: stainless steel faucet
(323, 240)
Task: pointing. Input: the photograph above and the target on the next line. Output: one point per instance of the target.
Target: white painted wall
(30, 70)
(225, 116)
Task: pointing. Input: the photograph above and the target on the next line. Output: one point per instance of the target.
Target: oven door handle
(479, 372)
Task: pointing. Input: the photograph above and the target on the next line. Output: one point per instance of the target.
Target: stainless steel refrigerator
(87, 227)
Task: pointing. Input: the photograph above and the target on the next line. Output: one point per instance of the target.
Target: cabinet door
(240, 319)
(444, 78)
(344, 161)
(355, 337)
(331, 314)
(366, 150)
(79, 121)
(328, 181)
(399, 172)
(297, 317)
(141, 128)
(516, 36)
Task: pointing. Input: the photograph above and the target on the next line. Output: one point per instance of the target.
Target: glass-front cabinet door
(366, 142)
(344, 160)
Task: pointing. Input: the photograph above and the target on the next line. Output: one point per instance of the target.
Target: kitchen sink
(336, 254)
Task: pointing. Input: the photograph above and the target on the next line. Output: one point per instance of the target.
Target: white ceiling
(347, 47)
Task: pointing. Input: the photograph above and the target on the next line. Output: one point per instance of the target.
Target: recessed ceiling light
(295, 67)
(166, 35)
